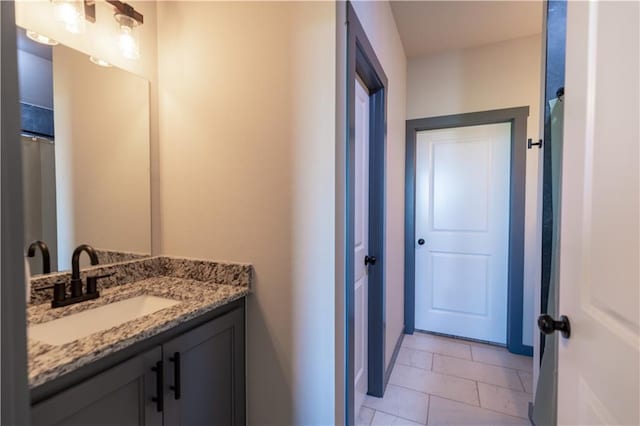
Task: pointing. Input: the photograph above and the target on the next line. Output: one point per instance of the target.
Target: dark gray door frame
(14, 389)
(518, 119)
(362, 62)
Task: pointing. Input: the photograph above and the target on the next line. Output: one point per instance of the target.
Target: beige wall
(378, 22)
(101, 156)
(247, 169)
(500, 75)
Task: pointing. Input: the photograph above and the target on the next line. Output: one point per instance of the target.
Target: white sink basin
(73, 327)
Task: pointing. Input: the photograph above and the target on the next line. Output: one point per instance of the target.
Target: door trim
(14, 387)
(518, 119)
(362, 61)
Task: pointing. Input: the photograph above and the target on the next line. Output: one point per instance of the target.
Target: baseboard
(394, 356)
(520, 349)
(531, 414)
(464, 339)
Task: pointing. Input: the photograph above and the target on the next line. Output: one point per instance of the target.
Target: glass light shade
(128, 37)
(99, 62)
(71, 14)
(42, 39)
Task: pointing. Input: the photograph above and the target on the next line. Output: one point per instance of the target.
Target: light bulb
(99, 62)
(42, 39)
(71, 14)
(128, 45)
(128, 37)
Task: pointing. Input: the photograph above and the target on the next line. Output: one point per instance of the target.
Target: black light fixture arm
(121, 8)
(128, 10)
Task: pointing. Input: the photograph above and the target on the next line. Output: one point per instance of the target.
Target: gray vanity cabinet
(200, 374)
(204, 371)
(121, 395)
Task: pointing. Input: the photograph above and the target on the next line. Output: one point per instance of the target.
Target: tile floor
(443, 381)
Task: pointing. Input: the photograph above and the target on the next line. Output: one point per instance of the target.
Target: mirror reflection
(85, 141)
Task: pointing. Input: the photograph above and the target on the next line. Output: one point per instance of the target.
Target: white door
(361, 241)
(599, 365)
(462, 231)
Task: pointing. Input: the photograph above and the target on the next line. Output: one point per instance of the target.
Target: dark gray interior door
(121, 395)
(204, 371)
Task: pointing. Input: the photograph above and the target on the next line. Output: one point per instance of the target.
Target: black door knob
(370, 260)
(421, 242)
(548, 325)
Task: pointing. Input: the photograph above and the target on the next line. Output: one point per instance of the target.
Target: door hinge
(531, 143)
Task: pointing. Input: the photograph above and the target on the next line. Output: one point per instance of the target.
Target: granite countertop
(196, 297)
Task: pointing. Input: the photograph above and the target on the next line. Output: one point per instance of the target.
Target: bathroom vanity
(163, 344)
(132, 339)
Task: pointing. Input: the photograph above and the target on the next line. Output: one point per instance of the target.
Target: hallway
(444, 381)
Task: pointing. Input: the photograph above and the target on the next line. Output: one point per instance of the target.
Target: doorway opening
(460, 229)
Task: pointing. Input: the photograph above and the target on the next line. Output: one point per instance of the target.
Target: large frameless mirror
(85, 140)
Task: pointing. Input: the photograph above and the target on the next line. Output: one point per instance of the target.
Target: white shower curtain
(39, 181)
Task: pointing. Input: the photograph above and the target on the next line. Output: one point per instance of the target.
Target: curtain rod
(36, 138)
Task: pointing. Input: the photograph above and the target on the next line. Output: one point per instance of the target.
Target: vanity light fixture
(128, 20)
(74, 14)
(71, 13)
(99, 62)
(42, 39)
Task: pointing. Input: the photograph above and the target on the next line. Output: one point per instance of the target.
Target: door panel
(121, 395)
(361, 291)
(453, 274)
(209, 374)
(462, 213)
(461, 186)
(599, 365)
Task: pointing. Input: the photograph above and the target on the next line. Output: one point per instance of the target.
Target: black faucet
(44, 249)
(77, 295)
(76, 281)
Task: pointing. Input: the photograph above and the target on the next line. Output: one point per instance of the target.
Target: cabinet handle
(176, 388)
(159, 399)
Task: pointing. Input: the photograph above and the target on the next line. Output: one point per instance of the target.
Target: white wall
(35, 80)
(247, 173)
(379, 25)
(101, 156)
(499, 75)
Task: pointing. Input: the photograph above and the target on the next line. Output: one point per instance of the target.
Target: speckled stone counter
(199, 286)
(112, 256)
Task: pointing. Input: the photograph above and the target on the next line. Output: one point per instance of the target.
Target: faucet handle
(92, 282)
(59, 293)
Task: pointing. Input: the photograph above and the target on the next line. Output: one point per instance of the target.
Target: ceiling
(430, 26)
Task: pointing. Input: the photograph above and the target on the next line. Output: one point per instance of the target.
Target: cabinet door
(121, 395)
(204, 370)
